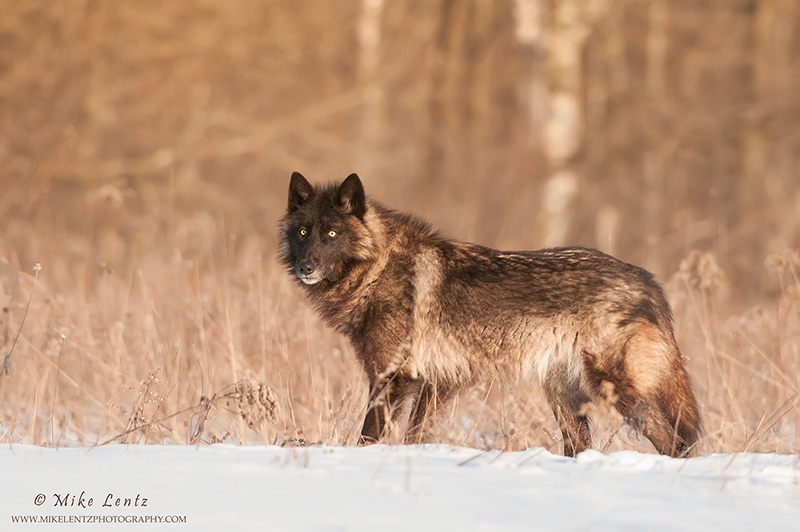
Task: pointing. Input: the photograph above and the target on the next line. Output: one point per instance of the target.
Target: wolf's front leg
(390, 403)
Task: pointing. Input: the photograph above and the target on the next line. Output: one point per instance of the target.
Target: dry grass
(145, 150)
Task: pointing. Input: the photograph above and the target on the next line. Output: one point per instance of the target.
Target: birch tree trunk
(564, 127)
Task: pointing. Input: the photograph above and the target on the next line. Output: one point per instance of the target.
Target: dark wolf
(428, 316)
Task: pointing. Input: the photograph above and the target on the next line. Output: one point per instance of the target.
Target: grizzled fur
(428, 316)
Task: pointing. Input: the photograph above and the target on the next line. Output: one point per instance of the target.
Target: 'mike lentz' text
(110, 501)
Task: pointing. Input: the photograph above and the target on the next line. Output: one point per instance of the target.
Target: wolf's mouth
(309, 278)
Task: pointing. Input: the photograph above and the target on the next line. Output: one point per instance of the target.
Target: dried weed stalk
(36, 269)
(255, 403)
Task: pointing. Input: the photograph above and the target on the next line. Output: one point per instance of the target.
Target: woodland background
(145, 151)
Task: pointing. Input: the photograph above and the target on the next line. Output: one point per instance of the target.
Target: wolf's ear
(300, 191)
(350, 197)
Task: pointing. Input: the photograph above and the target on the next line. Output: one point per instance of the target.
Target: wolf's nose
(305, 267)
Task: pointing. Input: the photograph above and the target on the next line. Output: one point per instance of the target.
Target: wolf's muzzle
(307, 272)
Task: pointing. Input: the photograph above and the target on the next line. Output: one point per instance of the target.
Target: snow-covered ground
(224, 487)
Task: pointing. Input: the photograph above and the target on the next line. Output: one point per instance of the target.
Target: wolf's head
(323, 232)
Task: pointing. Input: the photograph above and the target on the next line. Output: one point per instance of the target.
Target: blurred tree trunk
(472, 108)
(654, 180)
(447, 106)
(369, 38)
(771, 163)
(564, 130)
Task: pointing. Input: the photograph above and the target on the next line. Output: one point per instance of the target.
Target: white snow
(225, 487)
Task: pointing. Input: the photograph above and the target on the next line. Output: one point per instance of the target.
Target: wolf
(428, 316)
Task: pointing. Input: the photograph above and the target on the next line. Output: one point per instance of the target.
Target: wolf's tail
(680, 408)
(652, 389)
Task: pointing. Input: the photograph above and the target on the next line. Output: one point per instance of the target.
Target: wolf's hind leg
(567, 400)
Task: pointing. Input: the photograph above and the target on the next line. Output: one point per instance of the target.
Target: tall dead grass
(221, 347)
(144, 155)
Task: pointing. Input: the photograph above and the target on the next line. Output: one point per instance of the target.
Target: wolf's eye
(331, 233)
(303, 232)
